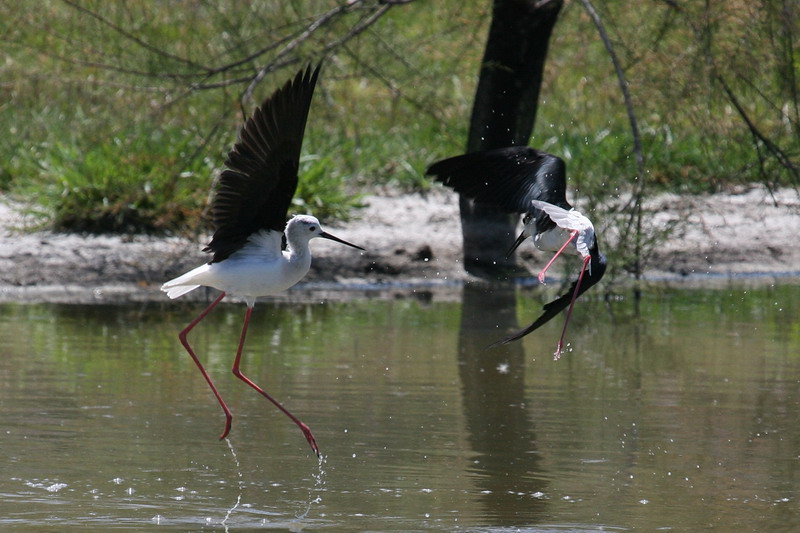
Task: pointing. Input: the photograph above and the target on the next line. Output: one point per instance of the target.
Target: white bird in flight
(249, 210)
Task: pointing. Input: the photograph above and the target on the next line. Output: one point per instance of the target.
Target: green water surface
(680, 415)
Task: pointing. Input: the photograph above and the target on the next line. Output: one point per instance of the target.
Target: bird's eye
(312, 228)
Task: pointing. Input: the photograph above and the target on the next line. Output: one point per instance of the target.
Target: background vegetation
(115, 116)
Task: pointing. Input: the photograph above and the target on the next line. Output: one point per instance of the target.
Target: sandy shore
(412, 241)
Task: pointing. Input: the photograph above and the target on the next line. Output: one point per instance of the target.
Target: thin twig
(781, 156)
(133, 38)
(637, 141)
(776, 151)
(317, 23)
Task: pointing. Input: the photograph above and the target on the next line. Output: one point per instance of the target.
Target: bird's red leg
(571, 238)
(238, 373)
(560, 346)
(182, 336)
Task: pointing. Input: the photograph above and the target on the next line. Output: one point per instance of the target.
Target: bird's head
(305, 227)
(528, 228)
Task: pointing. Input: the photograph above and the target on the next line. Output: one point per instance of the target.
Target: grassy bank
(115, 116)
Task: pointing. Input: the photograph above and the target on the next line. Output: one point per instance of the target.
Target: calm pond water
(683, 416)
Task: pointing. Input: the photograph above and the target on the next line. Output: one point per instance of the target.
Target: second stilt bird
(249, 212)
(520, 179)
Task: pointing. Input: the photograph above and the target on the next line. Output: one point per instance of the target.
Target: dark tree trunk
(503, 115)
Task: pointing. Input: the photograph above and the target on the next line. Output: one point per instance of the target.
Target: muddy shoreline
(413, 244)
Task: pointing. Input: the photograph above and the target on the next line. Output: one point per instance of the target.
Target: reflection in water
(683, 418)
(500, 430)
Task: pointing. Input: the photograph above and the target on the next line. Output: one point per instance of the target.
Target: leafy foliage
(142, 183)
(117, 114)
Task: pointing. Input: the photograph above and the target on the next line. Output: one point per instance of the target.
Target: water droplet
(55, 487)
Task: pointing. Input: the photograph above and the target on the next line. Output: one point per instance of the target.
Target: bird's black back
(508, 178)
(255, 190)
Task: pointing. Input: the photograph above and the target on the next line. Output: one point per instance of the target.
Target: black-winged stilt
(249, 212)
(525, 180)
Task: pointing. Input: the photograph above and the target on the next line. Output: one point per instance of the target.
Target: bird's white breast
(260, 268)
(255, 276)
(553, 239)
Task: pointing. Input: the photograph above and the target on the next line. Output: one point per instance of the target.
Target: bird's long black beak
(522, 236)
(326, 235)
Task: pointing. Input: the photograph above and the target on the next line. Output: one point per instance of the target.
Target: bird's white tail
(185, 283)
(177, 291)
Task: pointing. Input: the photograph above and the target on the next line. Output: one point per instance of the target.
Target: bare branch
(133, 38)
(761, 139)
(638, 194)
(317, 23)
(102, 65)
(365, 23)
(623, 84)
(248, 59)
(776, 151)
(420, 106)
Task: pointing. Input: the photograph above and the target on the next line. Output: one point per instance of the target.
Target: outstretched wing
(508, 178)
(255, 190)
(570, 219)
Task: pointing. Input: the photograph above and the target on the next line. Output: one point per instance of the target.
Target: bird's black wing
(551, 309)
(255, 190)
(508, 178)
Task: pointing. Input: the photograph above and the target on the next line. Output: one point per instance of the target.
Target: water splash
(315, 492)
(49, 487)
(224, 522)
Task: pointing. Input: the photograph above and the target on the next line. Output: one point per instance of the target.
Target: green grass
(107, 135)
(124, 184)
